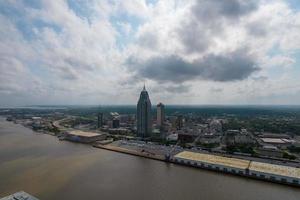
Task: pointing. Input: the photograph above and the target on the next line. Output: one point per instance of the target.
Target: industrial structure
(265, 171)
(83, 136)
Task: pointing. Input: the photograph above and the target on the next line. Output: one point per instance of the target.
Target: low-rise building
(84, 137)
(269, 151)
(260, 170)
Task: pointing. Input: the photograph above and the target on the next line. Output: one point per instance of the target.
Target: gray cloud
(178, 89)
(257, 29)
(216, 90)
(148, 40)
(260, 78)
(207, 19)
(231, 66)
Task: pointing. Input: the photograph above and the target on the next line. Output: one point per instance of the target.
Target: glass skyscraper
(144, 121)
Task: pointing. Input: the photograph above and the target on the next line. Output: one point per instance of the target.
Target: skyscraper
(144, 123)
(160, 115)
(179, 122)
(100, 120)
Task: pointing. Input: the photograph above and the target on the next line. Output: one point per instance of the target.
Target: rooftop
(275, 169)
(280, 170)
(19, 196)
(273, 140)
(83, 133)
(213, 159)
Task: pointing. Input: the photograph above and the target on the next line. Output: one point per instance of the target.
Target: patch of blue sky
(153, 2)
(36, 4)
(25, 25)
(296, 65)
(134, 21)
(276, 72)
(9, 10)
(294, 4)
(293, 70)
(82, 9)
(38, 69)
(274, 50)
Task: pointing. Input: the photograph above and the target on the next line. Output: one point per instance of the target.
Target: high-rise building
(116, 123)
(144, 121)
(160, 115)
(179, 122)
(100, 120)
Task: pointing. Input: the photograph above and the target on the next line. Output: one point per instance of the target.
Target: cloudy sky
(187, 52)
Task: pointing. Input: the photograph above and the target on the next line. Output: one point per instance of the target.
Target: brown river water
(47, 168)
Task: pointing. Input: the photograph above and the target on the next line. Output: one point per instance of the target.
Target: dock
(285, 175)
(131, 152)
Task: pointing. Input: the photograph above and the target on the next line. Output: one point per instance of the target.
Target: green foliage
(240, 148)
(267, 124)
(294, 149)
(288, 156)
(209, 145)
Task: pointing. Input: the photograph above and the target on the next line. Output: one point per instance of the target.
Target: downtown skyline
(187, 52)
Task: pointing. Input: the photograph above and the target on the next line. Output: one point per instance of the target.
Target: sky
(97, 52)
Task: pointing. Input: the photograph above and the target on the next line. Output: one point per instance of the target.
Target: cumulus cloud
(237, 65)
(57, 49)
(209, 19)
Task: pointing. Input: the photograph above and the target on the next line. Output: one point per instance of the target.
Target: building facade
(160, 115)
(144, 121)
(100, 120)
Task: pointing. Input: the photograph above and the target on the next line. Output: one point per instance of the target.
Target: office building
(100, 120)
(116, 123)
(160, 115)
(179, 122)
(144, 121)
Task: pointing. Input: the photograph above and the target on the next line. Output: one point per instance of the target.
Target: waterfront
(51, 169)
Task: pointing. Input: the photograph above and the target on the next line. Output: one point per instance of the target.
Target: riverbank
(143, 152)
(246, 172)
(51, 169)
(130, 152)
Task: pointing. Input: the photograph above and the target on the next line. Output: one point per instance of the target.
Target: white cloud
(70, 56)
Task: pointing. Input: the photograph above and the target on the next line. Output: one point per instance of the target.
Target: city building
(230, 136)
(84, 137)
(160, 115)
(269, 151)
(19, 196)
(144, 121)
(116, 123)
(172, 137)
(215, 126)
(100, 120)
(179, 122)
(259, 170)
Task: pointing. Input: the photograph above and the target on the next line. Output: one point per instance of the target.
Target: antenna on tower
(144, 88)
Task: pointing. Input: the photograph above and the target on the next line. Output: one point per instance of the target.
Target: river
(47, 168)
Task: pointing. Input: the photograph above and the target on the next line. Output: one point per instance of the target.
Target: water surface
(51, 169)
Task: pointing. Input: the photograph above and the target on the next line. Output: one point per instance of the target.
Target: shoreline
(172, 160)
(189, 164)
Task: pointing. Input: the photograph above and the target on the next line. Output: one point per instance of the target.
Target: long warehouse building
(259, 170)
